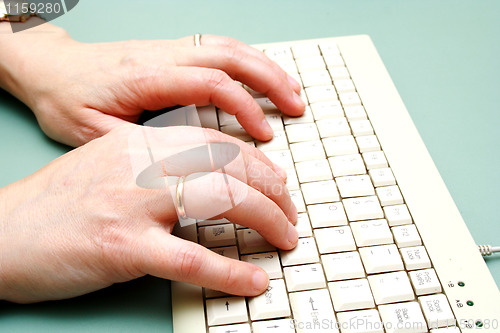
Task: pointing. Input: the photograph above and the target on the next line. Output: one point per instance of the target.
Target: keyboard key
(336, 239)
(339, 73)
(327, 215)
(236, 131)
(217, 235)
(333, 127)
(310, 171)
(302, 132)
(367, 143)
(266, 105)
(305, 50)
(304, 253)
(275, 121)
(316, 78)
(304, 277)
(328, 48)
(238, 328)
(226, 119)
(340, 145)
(415, 257)
(437, 311)
(347, 165)
(343, 85)
(389, 195)
(321, 93)
(361, 127)
(329, 109)
(411, 322)
(303, 225)
(375, 160)
(292, 181)
(203, 223)
(311, 309)
(312, 63)
(343, 266)
(273, 326)
(298, 201)
(363, 208)
(320, 192)
(362, 321)
(307, 151)
(373, 232)
(306, 117)
(278, 142)
(355, 186)
(250, 241)
(397, 215)
(452, 329)
(406, 235)
(208, 116)
(391, 287)
(269, 261)
(382, 177)
(425, 281)
(355, 112)
(351, 295)
(276, 53)
(273, 303)
(227, 310)
(348, 98)
(283, 158)
(334, 60)
(381, 258)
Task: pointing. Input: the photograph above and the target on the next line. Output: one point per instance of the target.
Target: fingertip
(280, 172)
(260, 281)
(267, 131)
(293, 236)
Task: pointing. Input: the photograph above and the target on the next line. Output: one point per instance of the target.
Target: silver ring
(179, 200)
(197, 39)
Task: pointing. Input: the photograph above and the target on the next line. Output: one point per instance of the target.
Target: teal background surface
(442, 56)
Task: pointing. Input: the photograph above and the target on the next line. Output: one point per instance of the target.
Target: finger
(201, 86)
(167, 256)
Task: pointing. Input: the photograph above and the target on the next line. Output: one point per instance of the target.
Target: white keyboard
(382, 247)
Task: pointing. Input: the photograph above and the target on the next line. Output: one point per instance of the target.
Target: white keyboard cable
(488, 250)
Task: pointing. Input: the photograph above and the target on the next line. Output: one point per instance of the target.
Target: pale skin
(81, 223)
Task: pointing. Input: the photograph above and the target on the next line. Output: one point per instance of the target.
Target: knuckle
(217, 79)
(188, 262)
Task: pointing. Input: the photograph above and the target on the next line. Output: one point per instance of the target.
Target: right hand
(82, 223)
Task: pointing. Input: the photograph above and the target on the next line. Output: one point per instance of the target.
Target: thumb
(166, 256)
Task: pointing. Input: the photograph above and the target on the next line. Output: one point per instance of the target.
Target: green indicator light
(479, 323)
(470, 303)
(461, 284)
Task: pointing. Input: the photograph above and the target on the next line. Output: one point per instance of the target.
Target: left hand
(79, 91)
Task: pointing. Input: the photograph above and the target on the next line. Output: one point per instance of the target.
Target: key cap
(339, 72)
(361, 127)
(238, 328)
(306, 117)
(268, 261)
(266, 105)
(227, 310)
(187, 232)
(333, 60)
(333, 127)
(406, 235)
(391, 287)
(415, 257)
(382, 177)
(381, 258)
(208, 116)
(302, 132)
(375, 159)
(281, 157)
(316, 78)
(397, 215)
(355, 186)
(362, 208)
(367, 143)
(320, 192)
(273, 326)
(362, 321)
(342, 266)
(250, 241)
(343, 85)
(304, 253)
(327, 215)
(311, 309)
(273, 303)
(389, 195)
(275, 121)
(349, 99)
(298, 201)
(437, 311)
(305, 50)
(226, 119)
(327, 109)
(278, 142)
(347, 165)
(306, 151)
(303, 225)
(217, 235)
(403, 317)
(204, 223)
(334, 239)
(304, 277)
(425, 281)
(306, 64)
(340, 145)
(355, 112)
(236, 131)
(278, 53)
(321, 93)
(292, 181)
(316, 170)
(351, 295)
(373, 232)
(255, 93)
(329, 48)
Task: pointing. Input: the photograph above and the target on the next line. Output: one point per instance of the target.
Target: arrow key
(227, 310)
(273, 326)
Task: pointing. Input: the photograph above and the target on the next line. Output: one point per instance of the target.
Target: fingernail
(293, 235)
(280, 171)
(267, 129)
(260, 280)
